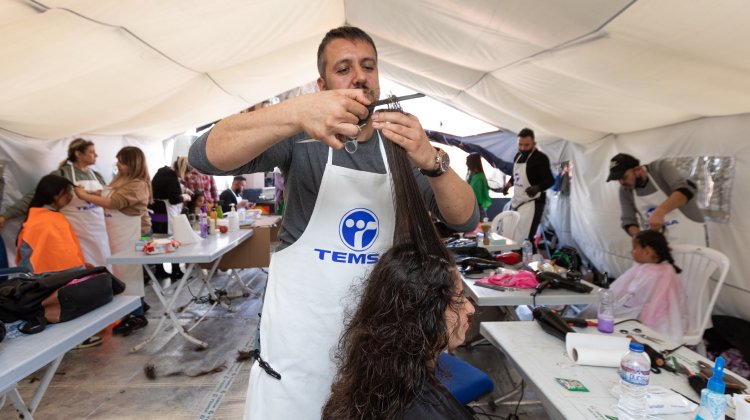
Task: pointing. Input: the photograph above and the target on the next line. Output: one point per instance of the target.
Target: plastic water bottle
(713, 401)
(606, 313)
(527, 252)
(204, 225)
(635, 367)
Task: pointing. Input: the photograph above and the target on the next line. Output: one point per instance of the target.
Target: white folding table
(541, 357)
(208, 250)
(21, 356)
(512, 297)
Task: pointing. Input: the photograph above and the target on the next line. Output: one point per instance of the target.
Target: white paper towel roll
(182, 231)
(741, 406)
(596, 350)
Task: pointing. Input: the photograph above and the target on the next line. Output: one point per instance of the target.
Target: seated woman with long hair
(412, 308)
(47, 242)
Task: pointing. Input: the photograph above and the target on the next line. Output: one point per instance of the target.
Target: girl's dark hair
(389, 346)
(47, 188)
(659, 244)
(77, 145)
(194, 200)
(474, 163)
(46, 191)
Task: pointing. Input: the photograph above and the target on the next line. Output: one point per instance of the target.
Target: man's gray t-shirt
(302, 165)
(667, 179)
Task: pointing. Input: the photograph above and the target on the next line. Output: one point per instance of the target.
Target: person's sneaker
(92, 341)
(130, 324)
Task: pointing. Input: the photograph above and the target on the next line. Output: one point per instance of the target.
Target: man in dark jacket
(233, 195)
(531, 176)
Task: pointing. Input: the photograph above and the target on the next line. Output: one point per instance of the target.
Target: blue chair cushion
(465, 382)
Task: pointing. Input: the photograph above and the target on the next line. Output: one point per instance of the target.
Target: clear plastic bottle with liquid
(527, 251)
(204, 224)
(635, 368)
(605, 315)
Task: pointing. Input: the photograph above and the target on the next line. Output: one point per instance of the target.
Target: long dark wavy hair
(659, 244)
(387, 353)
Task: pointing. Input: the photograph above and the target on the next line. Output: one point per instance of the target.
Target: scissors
(639, 333)
(352, 143)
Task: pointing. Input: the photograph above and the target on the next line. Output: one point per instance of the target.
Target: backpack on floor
(56, 297)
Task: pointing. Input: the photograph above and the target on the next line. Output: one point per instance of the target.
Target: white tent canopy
(652, 78)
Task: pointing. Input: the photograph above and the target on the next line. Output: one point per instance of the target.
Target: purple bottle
(606, 313)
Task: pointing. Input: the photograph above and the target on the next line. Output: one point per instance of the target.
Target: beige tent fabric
(652, 78)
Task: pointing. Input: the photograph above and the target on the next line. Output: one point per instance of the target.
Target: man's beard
(640, 182)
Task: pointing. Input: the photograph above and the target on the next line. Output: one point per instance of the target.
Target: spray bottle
(713, 401)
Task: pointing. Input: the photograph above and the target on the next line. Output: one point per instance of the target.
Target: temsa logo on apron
(358, 230)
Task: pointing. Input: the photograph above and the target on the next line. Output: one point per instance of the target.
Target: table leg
(27, 412)
(234, 277)
(169, 311)
(207, 285)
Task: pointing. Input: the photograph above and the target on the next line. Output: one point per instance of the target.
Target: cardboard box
(256, 251)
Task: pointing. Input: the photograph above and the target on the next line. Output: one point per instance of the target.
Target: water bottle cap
(636, 347)
(716, 382)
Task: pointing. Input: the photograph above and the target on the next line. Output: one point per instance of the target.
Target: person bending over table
(339, 214)
(650, 193)
(126, 201)
(650, 290)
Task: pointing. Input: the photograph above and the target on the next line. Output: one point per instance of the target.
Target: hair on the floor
(387, 351)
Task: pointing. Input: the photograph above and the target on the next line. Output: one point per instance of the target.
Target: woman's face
(87, 157)
(201, 200)
(122, 169)
(457, 315)
(63, 198)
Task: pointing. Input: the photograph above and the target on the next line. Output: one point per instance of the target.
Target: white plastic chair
(505, 224)
(698, 264)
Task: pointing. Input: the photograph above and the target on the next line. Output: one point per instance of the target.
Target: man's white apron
(87, 220)
(522, 202)
(310, 286)
(124, 231)
(679, 228)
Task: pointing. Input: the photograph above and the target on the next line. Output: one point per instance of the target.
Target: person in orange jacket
(47, 242)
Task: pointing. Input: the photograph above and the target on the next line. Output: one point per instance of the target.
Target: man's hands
(332, 115)
(406, 131)
(2, 222)
(533, 190)
(656, 220)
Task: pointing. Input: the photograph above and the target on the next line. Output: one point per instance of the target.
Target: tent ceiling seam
(590, 36)
(43, 7)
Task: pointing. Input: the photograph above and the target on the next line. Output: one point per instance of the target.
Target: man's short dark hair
(527, 132)
(350, 33)
(239, 178)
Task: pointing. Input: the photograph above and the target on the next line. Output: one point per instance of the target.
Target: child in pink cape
(650, 290)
